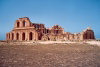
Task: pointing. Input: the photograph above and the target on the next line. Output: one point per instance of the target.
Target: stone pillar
(20, 36)
(26, 35)
(21, 24)
(33, 36)
(36, 36)
(14, 36)
(11, 36)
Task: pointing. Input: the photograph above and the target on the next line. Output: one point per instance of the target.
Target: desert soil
(51, 55)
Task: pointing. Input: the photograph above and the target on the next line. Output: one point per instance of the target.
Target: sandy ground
(51, 55)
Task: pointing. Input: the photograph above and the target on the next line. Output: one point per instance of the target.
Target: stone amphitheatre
(33, 45)
(25, 30)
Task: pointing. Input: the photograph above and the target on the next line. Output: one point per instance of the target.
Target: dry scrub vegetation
(52, 55)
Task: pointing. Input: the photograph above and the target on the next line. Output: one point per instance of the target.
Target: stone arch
(39, 36)
(30, 36)
(12, 36)
(47, 31)
(17, 36)
(56, 31)
(23, 36)
(24, 24)
(9, 36)
(86, 36)
(18, 24)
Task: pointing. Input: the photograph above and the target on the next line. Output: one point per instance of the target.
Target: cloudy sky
(72, 15)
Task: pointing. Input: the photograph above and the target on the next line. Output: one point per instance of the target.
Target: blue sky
(72, 15)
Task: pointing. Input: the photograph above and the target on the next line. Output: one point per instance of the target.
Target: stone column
(8, 36)
(20, 36)
(36, 36)
(14, 36)
(33, 35)
(21, 24)
(11, 36)
(26, 35)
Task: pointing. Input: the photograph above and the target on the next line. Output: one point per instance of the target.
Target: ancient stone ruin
(25, 30)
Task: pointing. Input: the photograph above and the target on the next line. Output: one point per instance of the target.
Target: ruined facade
(25, 30)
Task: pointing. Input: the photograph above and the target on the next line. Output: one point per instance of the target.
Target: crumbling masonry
(25, 30)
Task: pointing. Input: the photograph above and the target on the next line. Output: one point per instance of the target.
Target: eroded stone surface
(25, 30)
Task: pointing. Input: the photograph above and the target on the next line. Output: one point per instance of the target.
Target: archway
(30, 36)
(18, 24)
(17, 36)
(23, 36)
(9, 36)
(56, 31)
(12, 36)
(39, 36)
(24, 24)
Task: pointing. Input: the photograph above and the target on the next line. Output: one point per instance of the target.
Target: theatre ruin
(25, 30)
